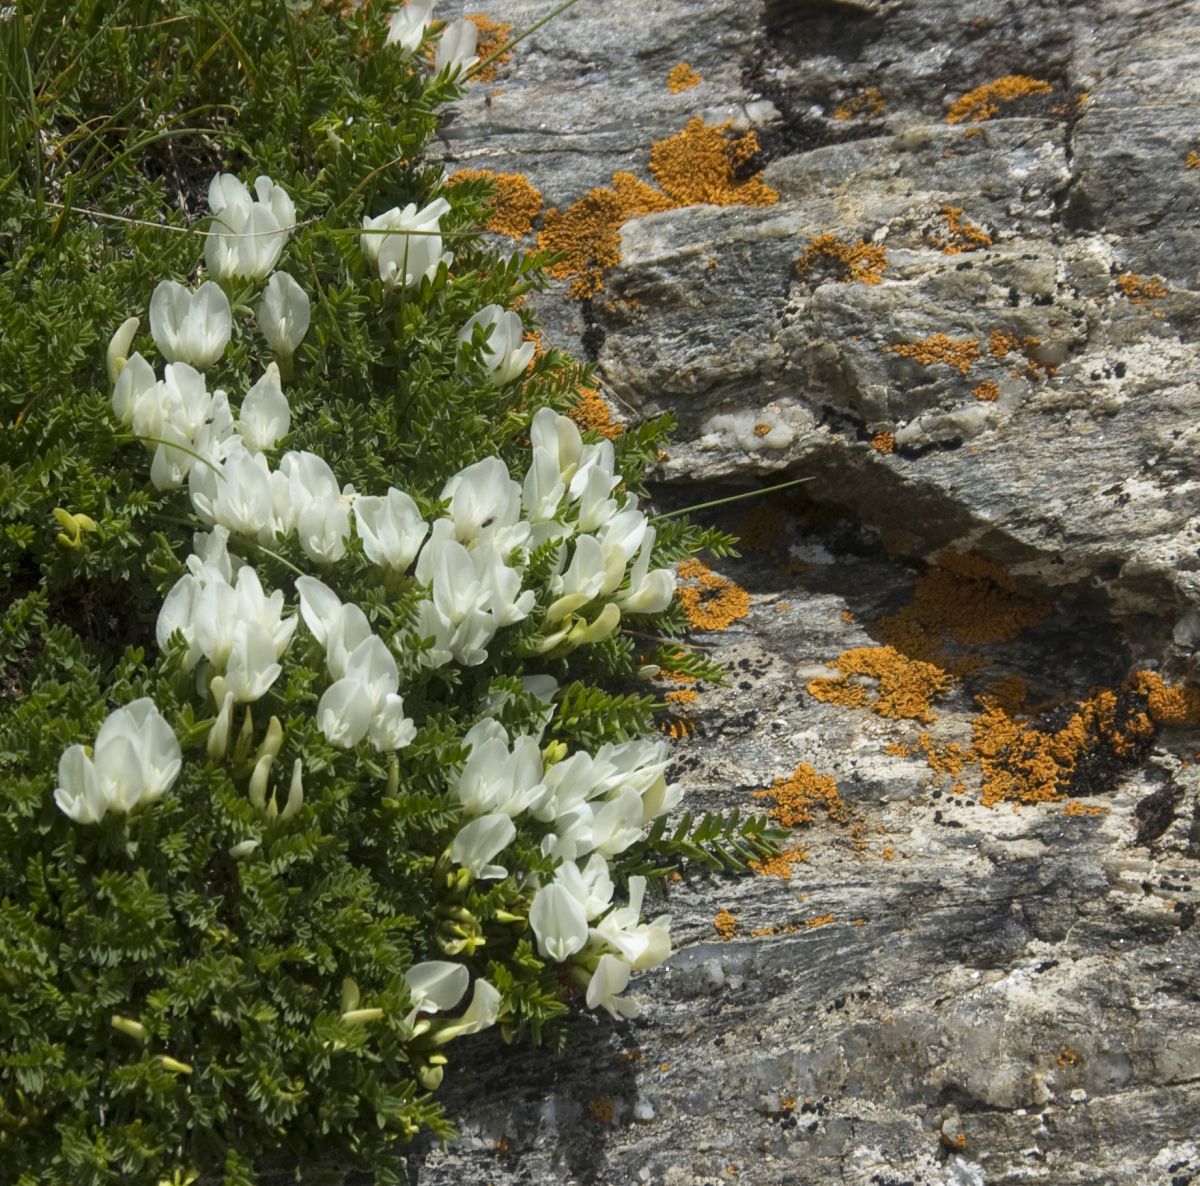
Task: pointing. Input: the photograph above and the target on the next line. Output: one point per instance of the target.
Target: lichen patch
(682, 78)
(899, 687)
(984, 101)
(960, 234)
(867, 104)
(709, 600)
(492, 35)
(827, 256)
(940, 350)
(515, 205)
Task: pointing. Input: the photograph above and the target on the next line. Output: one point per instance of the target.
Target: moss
(984, 101)
(961, 235)
(681, 78)
(492, 35)
(516, 203)
(797, 796)
(868, 103)
(847, 262)
(940, 349)
(709, 600)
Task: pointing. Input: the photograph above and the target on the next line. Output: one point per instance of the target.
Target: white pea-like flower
(410, 247)
(191, 327)
(248, 234)
(391, 528)
(559, 922)
(135, 760)
(609, 980)
(409, 26)
(505, 352)
(282, 314)
(456, 47)
(481, 840)
(265, 416)
(435, 985)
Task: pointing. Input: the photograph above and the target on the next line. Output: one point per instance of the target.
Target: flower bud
(172, 1064)
(218, 735)
(295, 799)
(127, 1025)
(244, 849)
(430, 1077)
(361, 1016)
(554, 753)
(350, 994)
(241, 747)
(258, 781)
(118, 348)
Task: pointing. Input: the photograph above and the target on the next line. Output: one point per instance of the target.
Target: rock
(1000, 431)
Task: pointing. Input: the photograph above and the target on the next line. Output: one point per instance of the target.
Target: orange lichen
(701, 165)
(904, 688)
(591, 410)
(516, 202)
(779, 865)
(1193, 159)
(860, 922)
(682, 696)
(896, 749)
(984, 101)
(961, 234)
(1077, 808)
(601, 1110)
(830, 258)
(971, 133)
(940, 348)
(492, 35)
(987, 391)
(1141, 289)
(782, 606)
(883, 442)
(1167, 705)
(1009, 692)
(947, 761)
(796, 796)
(709, 600)
(821, 920)
(869, 103)
(762, 428)
(968, 598)
(1067, 1058)
(847, 616)
(681, 78)
(679, 729)
(725, 924)
(586, 233)
(1023, 763)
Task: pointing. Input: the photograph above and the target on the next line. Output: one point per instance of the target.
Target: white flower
(391, 528)
(265, 416)
(456, 48)
(641, 945)
(413, 247)
(481, 840)
(118, 348)
(247, 235)
(559, 922)
(320, 514)
(282, 314)
(649, 592)
(191, 327)
(582, 581)
(409, 25)
(481, 1013)
(497, 779)
(250, 668)
(485, 503)
(505, 353)
(435, 986)
(238, 496)
(135, 384)
(136, 759)
(611, 978)
(559, 437)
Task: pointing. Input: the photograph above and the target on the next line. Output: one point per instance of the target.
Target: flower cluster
(470, 566)
(456, 46)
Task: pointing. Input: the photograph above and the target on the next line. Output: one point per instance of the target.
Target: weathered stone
(943, 993)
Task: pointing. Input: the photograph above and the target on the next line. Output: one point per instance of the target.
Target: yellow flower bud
(127, 1025)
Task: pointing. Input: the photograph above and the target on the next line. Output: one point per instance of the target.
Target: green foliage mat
(191, 985)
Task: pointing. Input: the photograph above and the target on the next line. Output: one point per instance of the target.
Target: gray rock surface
(988, 995)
